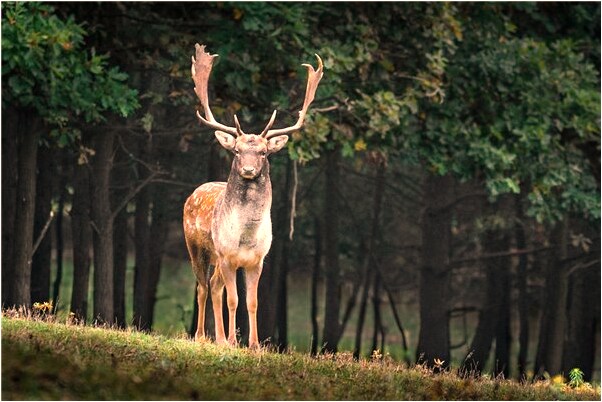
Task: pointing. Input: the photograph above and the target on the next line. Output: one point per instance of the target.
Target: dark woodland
(448, 169)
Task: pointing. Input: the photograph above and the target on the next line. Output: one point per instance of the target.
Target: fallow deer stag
(228, 225)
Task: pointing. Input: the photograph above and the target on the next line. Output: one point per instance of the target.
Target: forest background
(442, 203)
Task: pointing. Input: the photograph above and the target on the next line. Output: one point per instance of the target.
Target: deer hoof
(221, 342)
(200, 338)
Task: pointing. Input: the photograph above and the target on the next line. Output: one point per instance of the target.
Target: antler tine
(201, 69)
(313, 79)
(238, 129)
(270, 124)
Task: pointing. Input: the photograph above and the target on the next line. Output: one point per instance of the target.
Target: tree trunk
(60, 246)
(142, 244)
(120, 266)
(159, 233)
(359, 329)
(10, 133)
(480, 347)
(142, 265)
(285, 244)
(583, 323)
(282, 304)
(503, 335)
(523, 296)
(378, 325)
(82, 240)
(404, 342)
(20, 280)
(40, 264)
(494, 316)
(332, 297)
(267, 292)
(103, 227)
(358, 282)
(315, 277)
(433, 340)
(121, 183)
(242, 318)
(369, 258)
(553, 320)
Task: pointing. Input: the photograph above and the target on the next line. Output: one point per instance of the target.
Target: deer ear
(228, 141)
(275, 144)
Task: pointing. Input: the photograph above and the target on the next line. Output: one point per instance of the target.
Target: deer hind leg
(200, 261)
(202, 291)
(217, 290)
(201, 301)
(229, 277)
(252, 281)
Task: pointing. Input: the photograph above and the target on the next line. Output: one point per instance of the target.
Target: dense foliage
(46, 66)
(516, 114)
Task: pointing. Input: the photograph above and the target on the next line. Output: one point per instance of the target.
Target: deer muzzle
(248, 172)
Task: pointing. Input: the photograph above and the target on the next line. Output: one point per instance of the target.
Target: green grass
(43, 360)
(174, 308)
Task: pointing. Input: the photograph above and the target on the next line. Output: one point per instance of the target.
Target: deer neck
(242, 217)
(250, 196)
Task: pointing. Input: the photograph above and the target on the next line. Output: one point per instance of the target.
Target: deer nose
(248, 169)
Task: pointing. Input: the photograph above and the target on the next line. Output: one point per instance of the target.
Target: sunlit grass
(174, 308)
(46, 360)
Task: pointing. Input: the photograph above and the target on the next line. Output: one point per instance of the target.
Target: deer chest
(242, 237)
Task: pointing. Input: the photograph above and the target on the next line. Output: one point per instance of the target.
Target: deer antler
(313, 79)
(270, 123)
(201, 69)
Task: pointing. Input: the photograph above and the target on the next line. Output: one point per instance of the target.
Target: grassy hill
(43, 360)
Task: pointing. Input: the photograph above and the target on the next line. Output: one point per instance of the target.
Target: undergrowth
(47, 360)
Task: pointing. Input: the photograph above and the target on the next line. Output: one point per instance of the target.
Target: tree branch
(42, 234)
(326, 109)
(133, 193)
(176, 183)
(509, 253)
(147, 165)
(391, 302)
(582, 265)
(293, 201)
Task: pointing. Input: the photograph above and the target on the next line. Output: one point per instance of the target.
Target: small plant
(376, 355)
(558, 381)
(576, 378)
(42, 310)
(72, 319)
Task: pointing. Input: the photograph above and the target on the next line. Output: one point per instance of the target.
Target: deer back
(198, 214)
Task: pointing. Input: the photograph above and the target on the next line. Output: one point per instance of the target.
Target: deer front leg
(252, 281)
(229, 276)
(217, 290)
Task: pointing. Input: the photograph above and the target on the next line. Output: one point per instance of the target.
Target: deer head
(251, 150)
